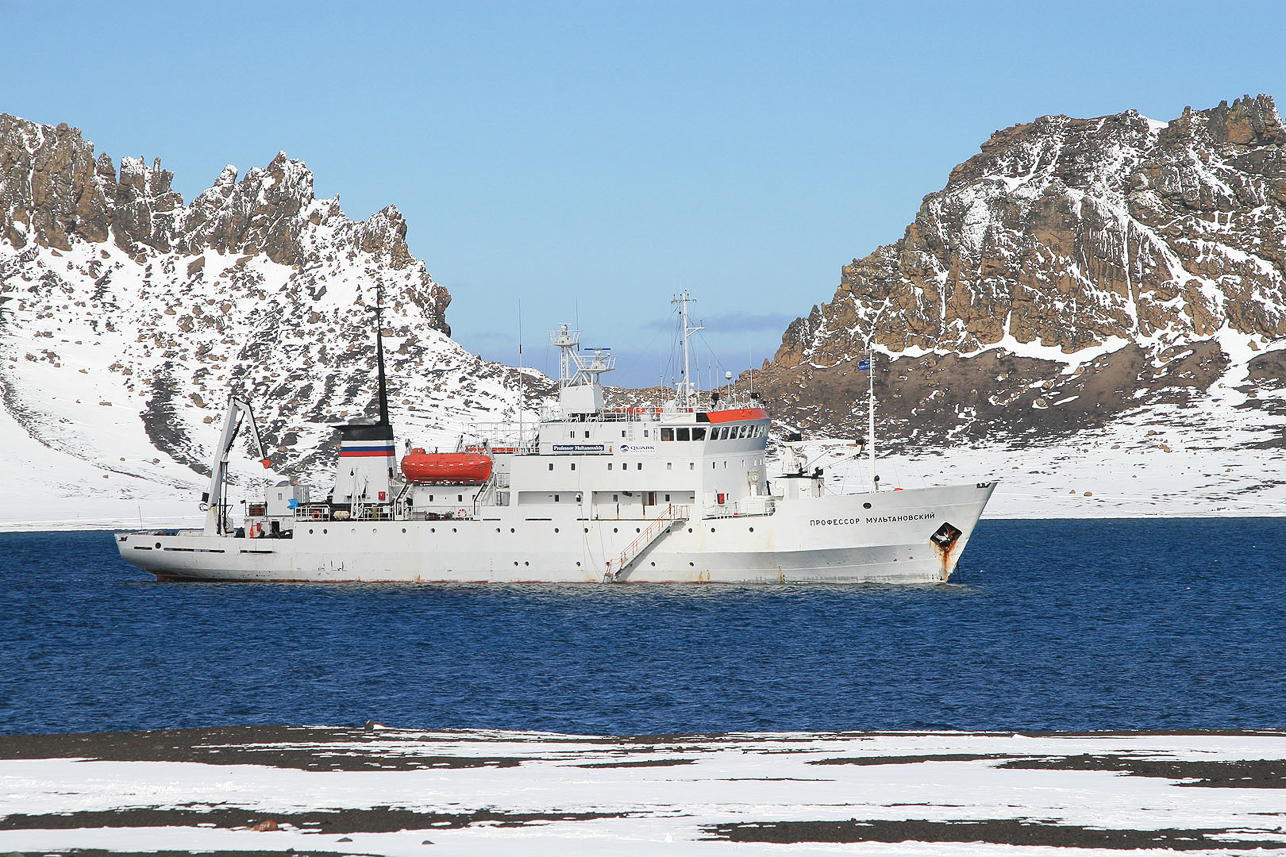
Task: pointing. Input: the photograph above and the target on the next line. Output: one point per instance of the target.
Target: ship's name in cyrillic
(882, 519)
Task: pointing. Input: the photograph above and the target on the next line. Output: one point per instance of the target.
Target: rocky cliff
(129, 316)
(1074, 271)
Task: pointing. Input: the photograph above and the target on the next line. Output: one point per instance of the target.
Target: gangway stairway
(653, 532)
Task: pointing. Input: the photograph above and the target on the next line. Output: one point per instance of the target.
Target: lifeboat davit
(454, 468)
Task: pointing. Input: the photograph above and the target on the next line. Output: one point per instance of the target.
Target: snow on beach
(474, 792)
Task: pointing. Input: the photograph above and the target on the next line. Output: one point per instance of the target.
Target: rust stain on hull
(944, 541)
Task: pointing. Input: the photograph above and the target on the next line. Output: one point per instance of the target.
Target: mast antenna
(379, 351)
(870, 429)
(522, 378)
(685, 399)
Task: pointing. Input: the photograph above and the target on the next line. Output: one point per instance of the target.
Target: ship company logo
(637, 447)
(873, 519)
(366, 448)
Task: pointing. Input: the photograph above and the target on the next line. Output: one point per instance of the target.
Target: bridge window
(666, 434)
(699, 434)
(683, 434)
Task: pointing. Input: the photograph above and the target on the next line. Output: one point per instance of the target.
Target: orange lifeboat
(454, 468)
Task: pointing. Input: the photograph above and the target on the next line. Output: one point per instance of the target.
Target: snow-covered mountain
(129, 317)
(1115, 274)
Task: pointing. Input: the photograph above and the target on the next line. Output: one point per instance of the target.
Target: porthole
(689, 529)
(497, 529)
(637, 530)
(454, 530)
(692, 565)
(587, 529)
(712, 529)
(325, 531)
(374, 531)
(615, 530)
(158, 545)
(353, 531)
(431, 530)
(866, 505)
(526, 563)
(404, 529)
(555, 529)
(654, 565)
(578, 565)
(515, 563)
(310, 531)
(511, 529)
(752, 529)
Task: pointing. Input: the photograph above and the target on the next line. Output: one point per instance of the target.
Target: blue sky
(592, 159)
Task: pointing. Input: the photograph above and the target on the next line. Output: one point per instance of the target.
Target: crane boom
(238, 410)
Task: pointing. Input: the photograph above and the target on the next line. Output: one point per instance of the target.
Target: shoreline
(124, 526)
(334, 790)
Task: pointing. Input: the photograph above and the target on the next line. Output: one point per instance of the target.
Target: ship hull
(889, 536)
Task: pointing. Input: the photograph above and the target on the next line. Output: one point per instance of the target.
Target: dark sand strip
(996, 832)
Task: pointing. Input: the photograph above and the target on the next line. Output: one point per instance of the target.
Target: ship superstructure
(679, 492)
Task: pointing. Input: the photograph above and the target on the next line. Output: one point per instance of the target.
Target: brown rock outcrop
(1115, 233)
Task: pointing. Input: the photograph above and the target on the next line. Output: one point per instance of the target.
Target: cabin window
(616, 498)
(712, 465)
(667, 434)
(683, 434)
(572, 435)
(586, 434)
(669, 465)
(622, 434)
(640, 465)
(555, 498)
(609, 465)
(667, 498)
(459, 498)
(645, 432)
(692, 465)
(699, 433)
(573, 465)
(430, 498)
(551, 467)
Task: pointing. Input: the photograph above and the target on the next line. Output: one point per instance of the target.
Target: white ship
(670, 494)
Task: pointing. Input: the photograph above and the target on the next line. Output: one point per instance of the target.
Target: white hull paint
(829, 539)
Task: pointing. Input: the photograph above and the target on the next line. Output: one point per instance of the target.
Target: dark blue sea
(1061, 625)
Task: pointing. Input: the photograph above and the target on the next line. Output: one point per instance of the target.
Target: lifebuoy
(317, 515)
(463, 513)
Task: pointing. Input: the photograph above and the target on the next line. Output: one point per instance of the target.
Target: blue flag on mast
(863, 365)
